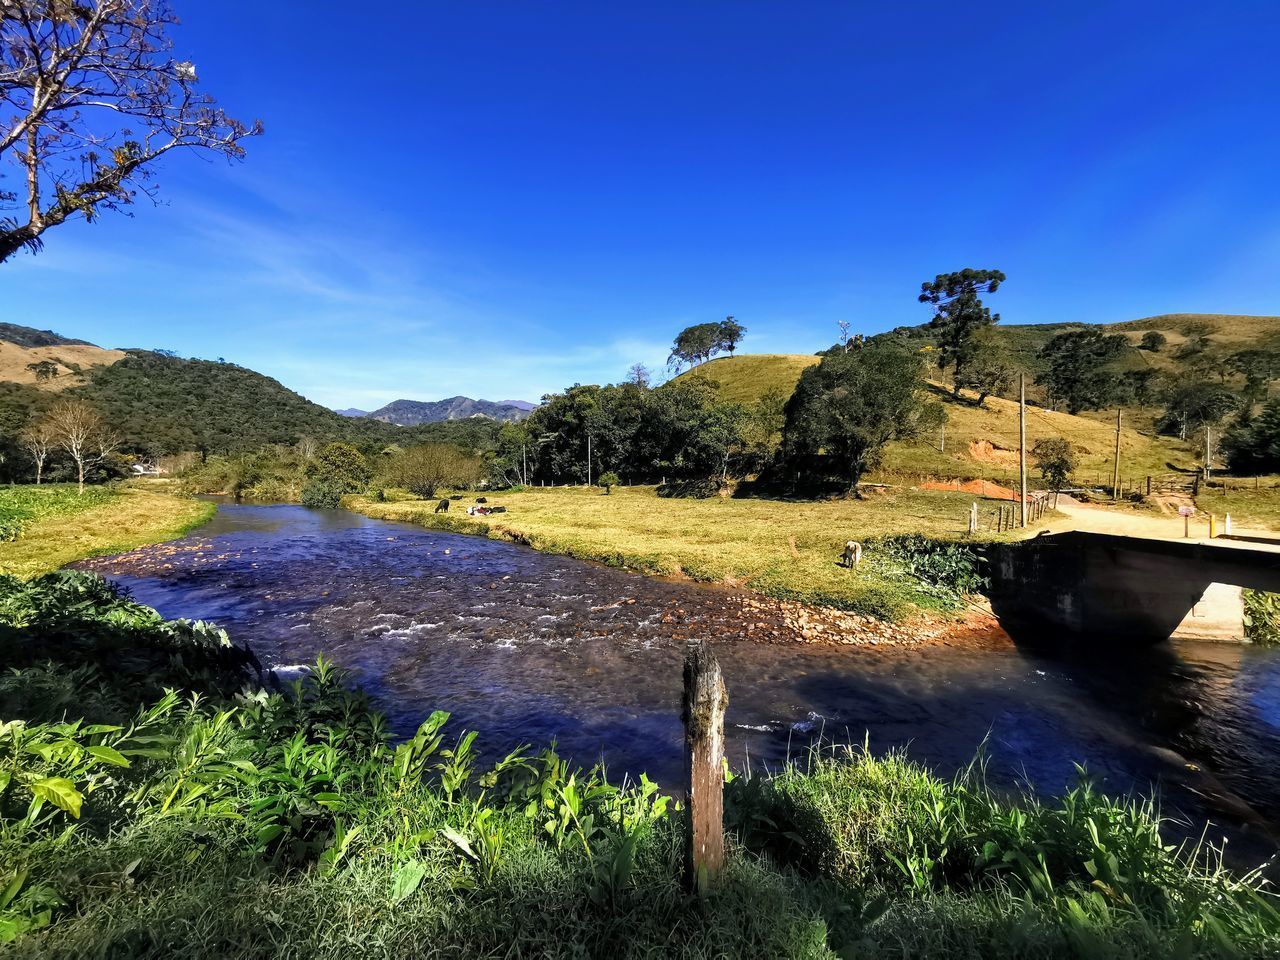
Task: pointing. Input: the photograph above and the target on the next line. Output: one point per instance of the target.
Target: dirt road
(1126, 521)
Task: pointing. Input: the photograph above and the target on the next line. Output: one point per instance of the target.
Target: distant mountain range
(411, 413)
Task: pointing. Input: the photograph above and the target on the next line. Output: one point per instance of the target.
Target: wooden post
(703, 714)
(1115, 476)
(1022, 445)
(1148, 485)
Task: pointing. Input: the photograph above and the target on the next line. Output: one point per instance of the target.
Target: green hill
(1220, 335)
(162, 404)
(748, 377)
(976, 442)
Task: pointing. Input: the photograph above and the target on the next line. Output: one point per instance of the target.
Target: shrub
(321, 494)
(1262, 617)
(424, 469)
(608, 480)
(1153, 340)
(952, 570)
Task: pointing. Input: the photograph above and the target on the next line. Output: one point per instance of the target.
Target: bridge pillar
(1107, 588)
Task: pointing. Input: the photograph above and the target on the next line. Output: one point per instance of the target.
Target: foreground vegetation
(48, 526)
(156, 800)
(782, 549)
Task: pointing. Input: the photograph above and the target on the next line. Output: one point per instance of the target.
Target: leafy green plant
(1262, 617)
(951, 570)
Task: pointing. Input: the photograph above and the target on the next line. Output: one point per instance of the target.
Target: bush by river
(160, 797)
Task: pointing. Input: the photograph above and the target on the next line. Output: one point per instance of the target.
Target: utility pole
(588, 459)
(1022, 444)
(524, 462)
(1115, 477)
(1208, 454)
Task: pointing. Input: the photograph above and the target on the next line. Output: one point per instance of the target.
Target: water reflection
(527, 647)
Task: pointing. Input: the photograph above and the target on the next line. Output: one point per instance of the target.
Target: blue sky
(500, 199)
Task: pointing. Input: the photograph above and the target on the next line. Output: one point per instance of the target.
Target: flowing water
(528, 648)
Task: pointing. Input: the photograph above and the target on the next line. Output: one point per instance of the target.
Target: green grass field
(783, 549)
(53, 525)
(21, 506)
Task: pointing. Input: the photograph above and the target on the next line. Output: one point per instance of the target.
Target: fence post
(703, 714)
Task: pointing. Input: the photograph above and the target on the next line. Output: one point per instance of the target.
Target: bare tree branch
(90, 98)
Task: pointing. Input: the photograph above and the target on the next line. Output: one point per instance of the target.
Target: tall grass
(20, 506)
(186, 806)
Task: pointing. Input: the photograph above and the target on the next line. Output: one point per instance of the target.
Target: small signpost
(1187, 513)
(703, 714)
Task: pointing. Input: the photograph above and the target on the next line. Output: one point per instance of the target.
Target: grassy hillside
(71, 363)
(748, 377)
(1225, 334)
(983, 442)
(977, 442)
(163, 404)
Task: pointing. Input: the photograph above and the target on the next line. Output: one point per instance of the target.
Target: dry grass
(130, 519)
(779, 548)
(747, 378)
(983, 442)
(70, 360)
(1256, 509)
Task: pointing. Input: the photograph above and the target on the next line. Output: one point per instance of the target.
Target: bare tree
(91, 99)
(424, 469)
(40, 439)
(639, 374)
(83, 435)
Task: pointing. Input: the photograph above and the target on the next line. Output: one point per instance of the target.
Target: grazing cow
(481, 500)
(852, 554)
(442, 506)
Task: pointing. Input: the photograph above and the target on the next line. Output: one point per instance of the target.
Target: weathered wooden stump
(703, 709)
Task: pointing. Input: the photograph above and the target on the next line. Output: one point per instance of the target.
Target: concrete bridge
(1106, 586)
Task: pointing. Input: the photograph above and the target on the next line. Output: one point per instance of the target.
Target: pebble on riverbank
(787, 621)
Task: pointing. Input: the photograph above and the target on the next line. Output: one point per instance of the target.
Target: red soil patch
(979, 488)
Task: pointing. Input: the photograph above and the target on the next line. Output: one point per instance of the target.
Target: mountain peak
(409, 413)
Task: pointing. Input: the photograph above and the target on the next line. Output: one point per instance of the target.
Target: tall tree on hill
(960, 314)
(94, 98)
(694, 345)
(1192, 406)
(729, 335)
(702, 341)
(1260, 368)
(1080, 370)
(1254, 447)
(850, 405)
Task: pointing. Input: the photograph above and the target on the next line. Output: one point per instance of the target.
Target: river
(528, 648)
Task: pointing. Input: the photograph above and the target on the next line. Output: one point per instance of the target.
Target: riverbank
(54, 525)
(784, 550)
(290, 823)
